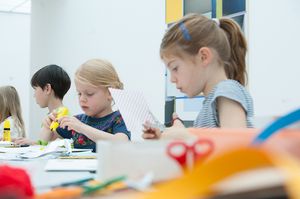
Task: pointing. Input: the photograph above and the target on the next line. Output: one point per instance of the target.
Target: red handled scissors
(180, 151)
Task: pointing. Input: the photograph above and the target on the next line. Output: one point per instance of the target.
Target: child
(50, 85)
(99, 121)
(208, 56)
(10, 109)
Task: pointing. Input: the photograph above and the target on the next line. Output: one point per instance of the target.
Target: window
(15, 6)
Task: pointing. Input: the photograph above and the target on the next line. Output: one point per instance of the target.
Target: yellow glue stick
(62, 111)
(6, 131)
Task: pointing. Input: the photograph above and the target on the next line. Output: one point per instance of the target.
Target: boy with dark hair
(50, 85)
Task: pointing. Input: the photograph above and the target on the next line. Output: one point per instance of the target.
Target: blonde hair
(195, 31)
(10, 106)
(99, 72)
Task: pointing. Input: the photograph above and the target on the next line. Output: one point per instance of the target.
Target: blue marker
(77, 182)
(282, 122)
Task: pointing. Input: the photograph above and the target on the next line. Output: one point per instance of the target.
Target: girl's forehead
(170, 58)
(84, 85)
(176, 56)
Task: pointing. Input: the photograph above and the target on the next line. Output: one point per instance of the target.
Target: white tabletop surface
(43, 180)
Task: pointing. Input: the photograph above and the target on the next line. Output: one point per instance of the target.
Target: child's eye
(79, 94)
(90, 94)
(175, 68)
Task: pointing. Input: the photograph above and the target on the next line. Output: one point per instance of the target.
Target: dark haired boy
(50, 85)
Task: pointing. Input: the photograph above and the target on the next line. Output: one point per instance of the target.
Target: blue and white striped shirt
(231, 89)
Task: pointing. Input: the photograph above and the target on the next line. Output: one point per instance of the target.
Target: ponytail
(236, 66)
(118, 84)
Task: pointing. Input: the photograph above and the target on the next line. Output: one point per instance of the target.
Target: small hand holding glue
(62, 111)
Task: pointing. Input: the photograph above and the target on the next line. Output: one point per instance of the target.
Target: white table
(43, 180)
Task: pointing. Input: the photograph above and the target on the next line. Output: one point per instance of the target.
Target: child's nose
(82, 98)
(173, 79)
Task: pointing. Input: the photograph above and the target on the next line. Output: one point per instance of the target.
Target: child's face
(41, 96)
(94, 101)
(187, 74)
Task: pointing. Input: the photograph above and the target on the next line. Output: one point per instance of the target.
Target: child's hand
(49, 119)
(72, 123)
(150, 132)
(22, 141)
(175, 132)
(176, 121)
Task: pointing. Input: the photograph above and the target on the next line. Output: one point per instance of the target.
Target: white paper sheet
(71, 165)
(135, 111)
(19, 150)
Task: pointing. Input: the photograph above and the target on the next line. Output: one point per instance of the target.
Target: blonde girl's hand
(150, 132)
(72, 123)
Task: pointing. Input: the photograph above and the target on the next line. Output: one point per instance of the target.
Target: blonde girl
(10, 109)
(99, 121)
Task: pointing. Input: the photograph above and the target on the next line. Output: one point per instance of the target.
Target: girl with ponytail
(207, 56)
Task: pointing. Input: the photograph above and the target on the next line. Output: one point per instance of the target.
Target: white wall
(14, 56)
(127, 33)
(274, 68)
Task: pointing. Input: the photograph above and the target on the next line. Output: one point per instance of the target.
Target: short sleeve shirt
(112, 123)
(208, 116)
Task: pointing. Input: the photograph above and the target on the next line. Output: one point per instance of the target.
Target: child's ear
(110, 98)
(48, 88)
(205, 55)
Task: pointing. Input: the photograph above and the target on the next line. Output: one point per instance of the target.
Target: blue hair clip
(185, 32)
